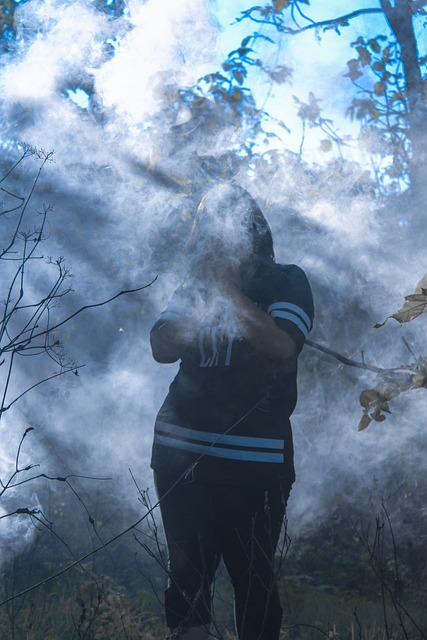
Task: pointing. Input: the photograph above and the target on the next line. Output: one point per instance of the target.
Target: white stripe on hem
(230, 454)
(170, 429)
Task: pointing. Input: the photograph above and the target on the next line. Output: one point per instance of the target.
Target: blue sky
(318, 64)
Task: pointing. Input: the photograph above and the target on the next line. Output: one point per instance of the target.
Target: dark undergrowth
(341, 580)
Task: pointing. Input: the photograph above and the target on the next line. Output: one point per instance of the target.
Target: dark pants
(204, 522)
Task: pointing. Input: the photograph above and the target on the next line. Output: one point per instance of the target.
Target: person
(222, 452)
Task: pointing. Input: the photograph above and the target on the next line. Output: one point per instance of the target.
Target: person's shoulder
(293, 279)
(292, 272)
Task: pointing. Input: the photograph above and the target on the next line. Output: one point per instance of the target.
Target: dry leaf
(415, 305)
(325, 145)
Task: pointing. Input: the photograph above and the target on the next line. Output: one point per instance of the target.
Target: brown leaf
(378, 416)
(364, 55)
(368, 398)
(239, 75)
(415, 305)
(280, 74)
(325, 145)
(389, 385)
(354, 71)
(279, 5)
(378, 66)
(419, 380)
(379, 88)
(397, 95)
(374, 45)
(365, 421)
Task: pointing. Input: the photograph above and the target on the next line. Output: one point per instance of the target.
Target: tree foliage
(7, 18)
(388, 72)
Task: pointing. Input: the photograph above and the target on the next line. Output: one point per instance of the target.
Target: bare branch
(39, 516)
(3, 213)
(46, 158)
(55, 478)
(416, 5)
(4, 408)
(344, 360)
(6, 386)
(84, 308)
(341, 21)
(27, 152)
(132, 527)
(20, 447)
(79, 561)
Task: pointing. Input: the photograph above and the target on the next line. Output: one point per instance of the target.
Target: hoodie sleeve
(290, 303)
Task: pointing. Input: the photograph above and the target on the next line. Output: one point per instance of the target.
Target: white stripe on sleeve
(291, 312)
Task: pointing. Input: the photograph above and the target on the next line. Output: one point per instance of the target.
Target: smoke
(131, 166)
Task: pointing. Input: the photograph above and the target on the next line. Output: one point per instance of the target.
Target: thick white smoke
(117, 222)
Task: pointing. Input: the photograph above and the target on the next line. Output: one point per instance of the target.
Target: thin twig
(344, 360)
(135, 524)
(331, 22)
(90, 306)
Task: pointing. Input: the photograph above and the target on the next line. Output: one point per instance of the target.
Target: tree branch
(84, 308)
(348, 361)
(63, 371)
(340, 21)
(416, 5)
(79, 561)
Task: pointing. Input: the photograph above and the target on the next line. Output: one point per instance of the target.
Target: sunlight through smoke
(64, 42)
(144, 60)
(131, 168)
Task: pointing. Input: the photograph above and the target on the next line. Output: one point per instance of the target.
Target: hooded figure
(222, 452)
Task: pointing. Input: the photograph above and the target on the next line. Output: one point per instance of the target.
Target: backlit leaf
(378, 66)
(364, 55)
(374, 45)
(243, 51)
(239, 75)
(373, 111)
(325, 145)
(236, 95)
(386, 54)
(280, 74)
(279, 5)
(354, 71)
(397, 95)
(379, 88)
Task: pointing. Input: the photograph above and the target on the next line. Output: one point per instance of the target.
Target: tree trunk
(400, 19)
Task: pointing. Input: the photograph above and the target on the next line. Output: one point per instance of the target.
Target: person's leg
(189, 520)
(252, 520)
(194, 633)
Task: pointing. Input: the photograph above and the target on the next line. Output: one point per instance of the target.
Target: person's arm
(170, 337)
(179, 324)
(259, 328)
